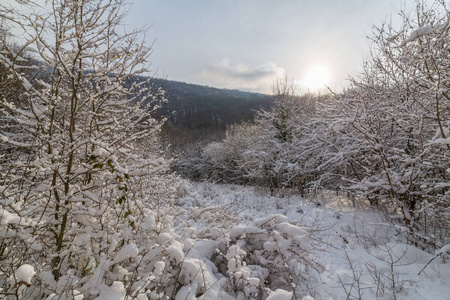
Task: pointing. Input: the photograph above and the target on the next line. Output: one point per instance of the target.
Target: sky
(248, 44)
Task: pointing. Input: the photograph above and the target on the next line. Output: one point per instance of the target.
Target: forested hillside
(201, 114)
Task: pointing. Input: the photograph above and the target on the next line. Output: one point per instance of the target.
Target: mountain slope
(200, 113)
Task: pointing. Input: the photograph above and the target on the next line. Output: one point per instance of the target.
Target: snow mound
(23, 275)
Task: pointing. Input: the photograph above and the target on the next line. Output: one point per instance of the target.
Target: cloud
(241, 76)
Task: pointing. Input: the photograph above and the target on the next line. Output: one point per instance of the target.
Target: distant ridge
(199, 113)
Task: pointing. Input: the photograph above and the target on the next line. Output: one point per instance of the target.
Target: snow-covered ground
(362, 255)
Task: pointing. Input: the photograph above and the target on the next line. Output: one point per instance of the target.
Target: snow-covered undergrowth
(231, 256)
(361, 254)
(230, 242)
(174, 245)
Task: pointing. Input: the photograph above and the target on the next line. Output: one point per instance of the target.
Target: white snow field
(356, 251)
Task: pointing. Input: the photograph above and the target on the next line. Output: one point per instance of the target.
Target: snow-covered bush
(390, 130)
(270, 252)
(226, 161)
(246, 260)
(277, 157)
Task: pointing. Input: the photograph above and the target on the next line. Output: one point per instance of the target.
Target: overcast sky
(246, 44)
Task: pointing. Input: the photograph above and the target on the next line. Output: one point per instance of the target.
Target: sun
(316, 78)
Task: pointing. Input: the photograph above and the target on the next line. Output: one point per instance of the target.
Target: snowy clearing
(363, 255)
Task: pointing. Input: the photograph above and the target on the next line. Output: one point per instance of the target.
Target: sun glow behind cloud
(316, 78)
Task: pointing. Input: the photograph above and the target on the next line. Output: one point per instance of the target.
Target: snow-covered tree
(279, 154)
(226, 161)
(393, 123)
(91, 172)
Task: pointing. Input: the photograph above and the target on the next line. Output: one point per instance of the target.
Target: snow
(5, 139)
(299, 235)
(99, 151)
(148, 221)
(82, 239)
(201, 248)
(23, 275)
(280, 295)
(201, 276)
(127, 251)
(175, 251)
(159, 268)
(441, 141)
(7, 217)
(114, 292)
(345, 239)
(164, 238)
(242, 229)
(444, 250)
(348, 246)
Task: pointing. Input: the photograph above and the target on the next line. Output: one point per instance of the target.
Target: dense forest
(199, 114)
